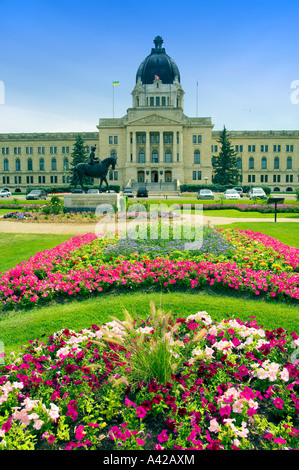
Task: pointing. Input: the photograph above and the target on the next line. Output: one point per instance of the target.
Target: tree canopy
(225, 163)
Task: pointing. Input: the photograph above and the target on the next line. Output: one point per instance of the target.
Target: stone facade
(155, 143)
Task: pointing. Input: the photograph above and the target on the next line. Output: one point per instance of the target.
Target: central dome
(157, 64)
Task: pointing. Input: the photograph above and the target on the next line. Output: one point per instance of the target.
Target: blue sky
(58, 60)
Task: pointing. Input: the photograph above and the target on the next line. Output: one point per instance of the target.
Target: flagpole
(197, 98)
(112, 100)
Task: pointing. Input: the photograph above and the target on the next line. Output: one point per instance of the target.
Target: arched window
(141, 156)
(276, 163)
(168, 156)
(251, 163)
(41, 164)
(289, 163)
(29, 164)
(196, 156)
(6, 165)
(264, 163)
(54, 164)
(239, 163)
(155, 156)
(66, 164)
(18, 164)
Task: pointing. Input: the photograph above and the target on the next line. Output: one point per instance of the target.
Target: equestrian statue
(95, 169)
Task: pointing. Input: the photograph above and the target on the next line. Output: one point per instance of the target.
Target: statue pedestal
(93, 202)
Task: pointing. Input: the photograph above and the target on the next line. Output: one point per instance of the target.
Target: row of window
(41, 164)
(155, 156)
(264, 163)
(275, 178)
(263, 148)
(40, 150)
(33, 180)
(155, 138)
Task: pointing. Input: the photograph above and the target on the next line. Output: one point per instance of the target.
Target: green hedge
(68, 189)
(218, 188)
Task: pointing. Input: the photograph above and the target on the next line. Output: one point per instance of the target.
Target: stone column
(175, 146)
(128, 146)
(181, 147)
(134, 147)
(147, 147)
(161, 147)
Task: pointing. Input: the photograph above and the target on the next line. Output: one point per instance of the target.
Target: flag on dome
(115, 83)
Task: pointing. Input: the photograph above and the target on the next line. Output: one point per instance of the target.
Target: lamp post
(206, 180)
(161, 173)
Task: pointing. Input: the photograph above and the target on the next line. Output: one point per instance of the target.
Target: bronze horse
(97, 170)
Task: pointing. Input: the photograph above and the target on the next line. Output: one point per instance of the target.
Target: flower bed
(18, 215)
(250, 264)
(220, 386)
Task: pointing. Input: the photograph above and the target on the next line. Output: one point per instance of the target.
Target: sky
(58, 59)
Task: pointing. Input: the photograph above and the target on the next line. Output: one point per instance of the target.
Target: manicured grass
(286, 232)
(5, 211)
(24, 201)
(17, 247)
(18, 327)
(233, 213)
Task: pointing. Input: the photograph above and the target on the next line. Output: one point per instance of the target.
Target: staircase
(158, 189)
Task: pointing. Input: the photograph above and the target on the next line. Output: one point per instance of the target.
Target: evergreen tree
(225, 163)
(79, 153)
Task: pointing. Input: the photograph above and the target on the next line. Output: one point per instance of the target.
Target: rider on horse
(92, 159)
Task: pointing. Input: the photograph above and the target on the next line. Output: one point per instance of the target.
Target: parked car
(128, 192)
(239, 190)
(93, 191)
(142, 192)
(205, 194)
(231, 194)
(5, 193)
(37, 194)
(257, 193)
(77, 191)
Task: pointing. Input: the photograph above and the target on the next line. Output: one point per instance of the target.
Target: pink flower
(141, 412)
(80, 434)
(140, 442)
(279, 440)
(163, 436)
(278, 403)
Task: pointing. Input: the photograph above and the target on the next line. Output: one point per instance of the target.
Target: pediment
(152, 119)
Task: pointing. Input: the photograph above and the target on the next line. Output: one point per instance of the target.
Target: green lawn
(234, 213)
(17, 247)
(286, 232)
(18, 327)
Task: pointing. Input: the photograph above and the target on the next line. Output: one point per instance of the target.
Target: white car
(5, 193)
(255, 193)
(231, 194)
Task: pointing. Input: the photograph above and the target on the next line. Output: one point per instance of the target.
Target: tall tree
(225, 163)
(79, 153)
